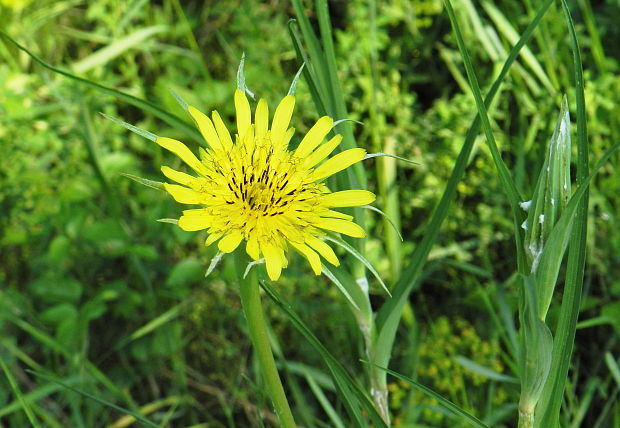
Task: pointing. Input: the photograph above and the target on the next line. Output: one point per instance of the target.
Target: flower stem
(526, 419)
(250, 300)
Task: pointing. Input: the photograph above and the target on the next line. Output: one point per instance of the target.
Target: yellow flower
(254, 189)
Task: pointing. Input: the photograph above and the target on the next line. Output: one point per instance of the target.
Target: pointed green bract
(374, 155)
(141, 132)
(145, 182)
(552, 192)
(359, 257)
(241, 78)
(328, 273)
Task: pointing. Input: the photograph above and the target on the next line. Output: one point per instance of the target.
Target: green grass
(107, 318)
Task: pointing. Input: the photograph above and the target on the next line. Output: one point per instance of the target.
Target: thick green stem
(526, 419)
(250, 299)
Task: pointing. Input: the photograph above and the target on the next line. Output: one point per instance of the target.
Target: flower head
(254, 189)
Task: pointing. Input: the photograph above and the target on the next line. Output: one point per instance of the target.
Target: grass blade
(505, 27)
(389, 315)
(22, 400)
(116, 48)
(136, 416)
(504, 175)
(38, 394)
(350, 392)
(484, 371)
(170, 119)
(446, 404)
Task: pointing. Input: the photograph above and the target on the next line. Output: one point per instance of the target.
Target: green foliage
(96, 293)
(438, 367)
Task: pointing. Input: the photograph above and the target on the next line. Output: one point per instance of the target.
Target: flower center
(264, 184)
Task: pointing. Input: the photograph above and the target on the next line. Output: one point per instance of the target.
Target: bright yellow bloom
(254, 189)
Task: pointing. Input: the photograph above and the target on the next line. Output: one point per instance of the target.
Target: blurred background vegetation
(96, 292)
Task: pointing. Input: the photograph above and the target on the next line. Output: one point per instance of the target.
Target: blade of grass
(351, 393)
(339, 241)
(324, 402)
(23, 401)
(40, 393)
(386, 169)
(598, 53)
(135, 415)
(484, 371)
(446, 404)
(505, 27)
(553, 392)
(116, 48)
(321, 58)
(504, 175)
(170, 119)
(53, 344)
(612, 365)
(152, 325)
(315, 53)
(308, 70)
(389, 315)
(335, 91)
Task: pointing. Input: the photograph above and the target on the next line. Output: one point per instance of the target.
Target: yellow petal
(348, 198)
(212, 238)
(222, 131)
(287, 137)
(181, 150)
(192, 220)
(273, 260)
(244, 115)
(252, 248)
(178, 176)
(322, 151)
(311, 255)
(206, 128)
(323, 249)
(230, 242)
(315, 136)
(282, 118)
(339, 162)
(204, 156)
(184, 195)
(261, 118)
(341, 226)
(336, 214)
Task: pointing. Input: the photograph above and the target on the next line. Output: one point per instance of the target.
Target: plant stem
(526, 419)
(250, 300)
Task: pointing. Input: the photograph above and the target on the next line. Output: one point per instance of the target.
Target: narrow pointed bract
(253, 190)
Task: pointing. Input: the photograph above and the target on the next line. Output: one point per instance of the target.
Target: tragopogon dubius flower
(253, 189)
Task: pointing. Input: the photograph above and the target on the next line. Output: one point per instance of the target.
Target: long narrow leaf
(446, 404)
(504, 175)
(97, 399)
(171, 119)
(351, 393)
(25, 405)
(359, 257)
(389, 315)
(116, 48)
